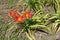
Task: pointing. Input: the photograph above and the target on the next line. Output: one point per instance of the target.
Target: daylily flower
(13, 13)
(27, 14)
(19, 19)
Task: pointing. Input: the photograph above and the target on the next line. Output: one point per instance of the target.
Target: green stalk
(28, 36)
(31, 34)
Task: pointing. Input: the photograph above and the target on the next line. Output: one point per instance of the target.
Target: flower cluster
(13, 13)
(19, 18)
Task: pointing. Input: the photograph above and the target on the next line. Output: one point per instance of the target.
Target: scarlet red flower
(19, 19)
(27, 14)
(13, 13)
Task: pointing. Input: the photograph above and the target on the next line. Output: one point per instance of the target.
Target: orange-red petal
(27, 14)
(10, 14)
(13, 13)
(19, 19)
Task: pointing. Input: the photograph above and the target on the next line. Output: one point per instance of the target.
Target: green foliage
(45, 19)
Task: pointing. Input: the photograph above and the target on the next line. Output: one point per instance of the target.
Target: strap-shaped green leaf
(41, 27)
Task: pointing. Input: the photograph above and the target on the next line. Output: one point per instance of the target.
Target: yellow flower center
(26, 15)
(19, 19)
